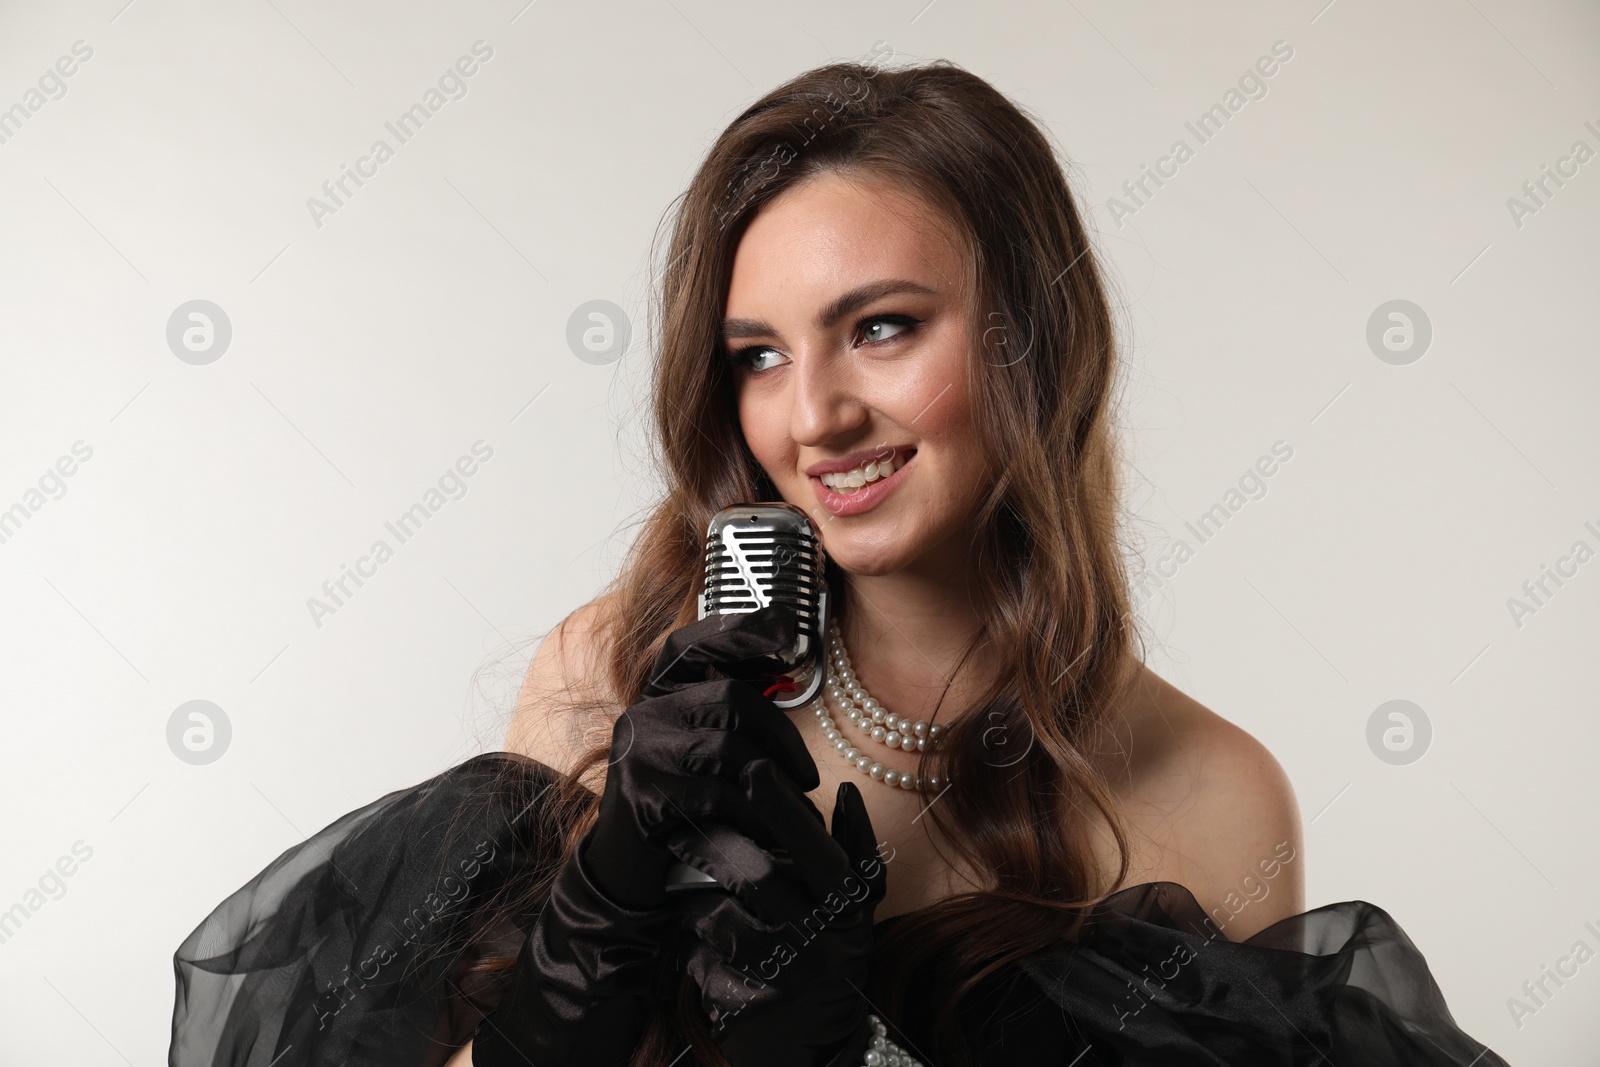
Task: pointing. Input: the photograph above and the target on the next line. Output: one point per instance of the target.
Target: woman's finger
(763, 881)
(748, 641)
(852, 830)
(692, 723)
(731, 705)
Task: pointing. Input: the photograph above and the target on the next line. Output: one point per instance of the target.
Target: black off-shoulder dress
(349, 949)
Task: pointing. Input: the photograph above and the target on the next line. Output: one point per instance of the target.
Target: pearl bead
(886, 728)
(881, 1052)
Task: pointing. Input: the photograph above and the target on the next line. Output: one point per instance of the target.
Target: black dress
(349, 947)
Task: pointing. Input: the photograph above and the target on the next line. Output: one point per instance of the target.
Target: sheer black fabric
(353, 948)
(1152, 982)
(348, 948)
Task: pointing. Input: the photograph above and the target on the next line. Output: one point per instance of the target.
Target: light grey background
(431, 311)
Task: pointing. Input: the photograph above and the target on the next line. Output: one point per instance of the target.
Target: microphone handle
(725, 556)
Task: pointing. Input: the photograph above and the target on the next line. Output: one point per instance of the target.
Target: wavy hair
(1051, 589)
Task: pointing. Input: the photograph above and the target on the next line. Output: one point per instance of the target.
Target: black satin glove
(782, 955)
(585, 982)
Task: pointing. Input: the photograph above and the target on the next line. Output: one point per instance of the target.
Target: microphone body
(756, 555)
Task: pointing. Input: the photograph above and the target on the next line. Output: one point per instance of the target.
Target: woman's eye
(872, 328)
(752, 357)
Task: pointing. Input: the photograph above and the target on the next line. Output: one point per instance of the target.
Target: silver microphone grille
(760, 554)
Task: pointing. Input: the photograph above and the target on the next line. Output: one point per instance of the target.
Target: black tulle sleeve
(1154, 983)
(356, 947)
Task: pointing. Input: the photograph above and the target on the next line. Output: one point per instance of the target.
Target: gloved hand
(586, 979)
(782, 957)
(685, 749)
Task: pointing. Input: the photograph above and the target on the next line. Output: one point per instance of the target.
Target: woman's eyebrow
(732, 329)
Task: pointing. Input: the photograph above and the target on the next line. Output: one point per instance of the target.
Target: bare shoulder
(1209, 807)
(565, 704)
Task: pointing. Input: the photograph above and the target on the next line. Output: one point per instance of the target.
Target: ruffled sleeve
(1152, 982)
(354, 947)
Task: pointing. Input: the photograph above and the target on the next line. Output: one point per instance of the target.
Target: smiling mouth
(850, 482)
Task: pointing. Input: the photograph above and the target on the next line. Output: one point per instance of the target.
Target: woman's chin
(869, 545)
(865, 561)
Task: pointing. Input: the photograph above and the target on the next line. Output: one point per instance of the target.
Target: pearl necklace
(859, 706)
(887, 729)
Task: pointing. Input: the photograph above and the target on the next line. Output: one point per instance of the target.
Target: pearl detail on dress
(885, 1053)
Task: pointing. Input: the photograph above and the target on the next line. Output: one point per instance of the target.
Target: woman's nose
(824, 399)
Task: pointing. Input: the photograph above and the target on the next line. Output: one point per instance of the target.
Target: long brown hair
(1052, 595)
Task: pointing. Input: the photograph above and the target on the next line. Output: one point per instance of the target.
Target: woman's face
(848, 332)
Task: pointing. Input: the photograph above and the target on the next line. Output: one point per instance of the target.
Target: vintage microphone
(756, 555)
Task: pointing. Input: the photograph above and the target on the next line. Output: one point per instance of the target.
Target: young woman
(998, 837)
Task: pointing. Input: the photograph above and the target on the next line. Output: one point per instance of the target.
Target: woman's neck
(911, 634)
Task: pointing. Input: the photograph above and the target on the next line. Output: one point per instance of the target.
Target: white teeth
(848, 481)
